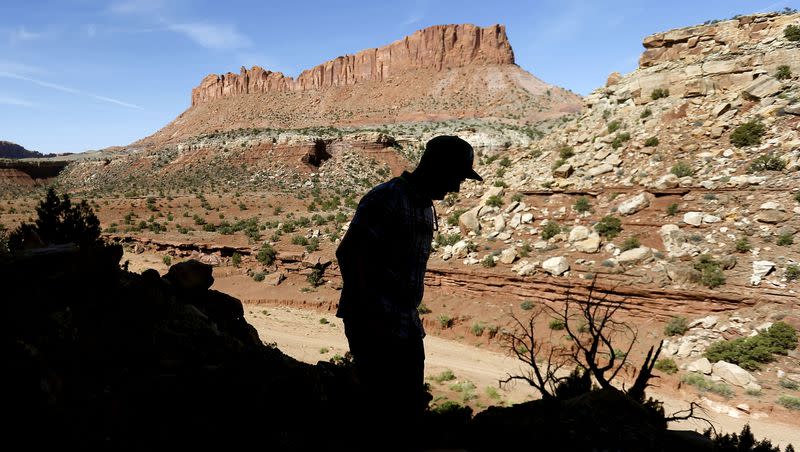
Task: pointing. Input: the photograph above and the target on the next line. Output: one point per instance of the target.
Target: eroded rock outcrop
(436, 47)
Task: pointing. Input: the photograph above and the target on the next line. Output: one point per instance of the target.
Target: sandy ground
(300, 334)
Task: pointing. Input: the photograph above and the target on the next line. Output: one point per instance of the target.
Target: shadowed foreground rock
(101, 358)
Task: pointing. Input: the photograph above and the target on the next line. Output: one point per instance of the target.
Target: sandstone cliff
(437, 47)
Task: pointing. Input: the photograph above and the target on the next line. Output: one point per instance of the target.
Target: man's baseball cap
(451, 153)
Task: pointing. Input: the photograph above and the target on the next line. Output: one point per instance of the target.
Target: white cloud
(7, 100)
(212, 36)
(67, 89)
(19, 68)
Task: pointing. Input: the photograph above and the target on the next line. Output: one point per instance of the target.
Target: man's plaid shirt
(397, 224)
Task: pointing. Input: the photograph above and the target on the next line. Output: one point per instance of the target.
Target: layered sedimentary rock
(437, 47)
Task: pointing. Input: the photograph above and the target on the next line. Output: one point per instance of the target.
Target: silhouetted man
(383, 258)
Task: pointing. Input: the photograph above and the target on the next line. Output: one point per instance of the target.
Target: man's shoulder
(390, 190)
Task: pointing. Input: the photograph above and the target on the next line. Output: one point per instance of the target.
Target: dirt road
(310, 337)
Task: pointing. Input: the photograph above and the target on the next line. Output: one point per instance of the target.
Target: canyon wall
(437, 47)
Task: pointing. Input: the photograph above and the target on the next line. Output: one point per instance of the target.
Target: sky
(79, 75)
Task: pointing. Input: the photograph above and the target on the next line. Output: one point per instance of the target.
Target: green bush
(556, 325)
(167, 259)
(452, 219)
(666, 365)
(526, 305)
(445, 375)
(682, 169)
(659, 93)
(504, 162)
(743, 245)
(259, 276)
(783, 72)
(790, 402)
(494, 201)
(266, 254)
(422, 309)
(613, 126)
(621, 137)
(711, 274)
(445, 321)
(448, 239)
(630, 243)
(59, 221)
(550, 230)
(236, 259)
(703, 384)
(767, 162)
(315, 277)
(650, 142)
(785, 240)
(582, 204)
(792, 32)
(609, 226)
(792, 272)
(676, 326)
(672, 209)
(566, 152)
(478, 328)
(516, 197)
(646, 113)
(299, 240)
(788, 384)
(488, 261)
(748, 134)
(750, 352)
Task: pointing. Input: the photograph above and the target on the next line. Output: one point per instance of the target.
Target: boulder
(635, 255)
(563, 171)
(702, 365)
(693, 218)
(760, 270)
(274, 278)
(667, 181)
(733, 374)
(190, 275)
(508, 256)
(499, 223)
(556, 265)
(772, 216)
(634, 204)
(578, 233)
(591, 244)
(762, 87)
(600, 169)
(468, 221)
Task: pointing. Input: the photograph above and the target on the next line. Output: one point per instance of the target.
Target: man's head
(446, 162)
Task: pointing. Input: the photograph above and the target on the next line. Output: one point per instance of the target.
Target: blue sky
(77, 75)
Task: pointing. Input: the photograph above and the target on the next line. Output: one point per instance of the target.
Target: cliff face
(437, 48)
(9, 150)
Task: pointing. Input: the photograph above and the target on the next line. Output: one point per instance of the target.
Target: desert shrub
(711, 274)
(792, 32)
(266, 254)
(524, 250)
(323, 321)
(448, 239)
(672, 209)
(785, 239)
(676, 326)
(767, 162)
(630, 243)
(59, 221)
(299, 240)
(445, 375)
(500, 183)
(613, 126)
(783, 72)
(750, 352)
(494, 201)
(646, 113)
(650, 142)
(315, 277)
(659, 93)
(788, 384)
(703, 384)
(790, 402)
(312, 245)
(792, 272)
(478, 328)
(259, 276)
(550, 230)
(609, 226)
(423, 309)
(582, 204)
(488, 261)
(445, 321)
(566, 152)
(516, 197)
(167, 259)
(621, 137)
(748, 134)
(526, 305)
(682, 169)
(452, 219)
(743, 245)
(556, 325)
(504, 162)
(236, 259)
(666, 365)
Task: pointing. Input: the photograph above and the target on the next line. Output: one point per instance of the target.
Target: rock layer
(436, 47)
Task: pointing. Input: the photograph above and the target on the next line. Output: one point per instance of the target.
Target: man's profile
(383, 257)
